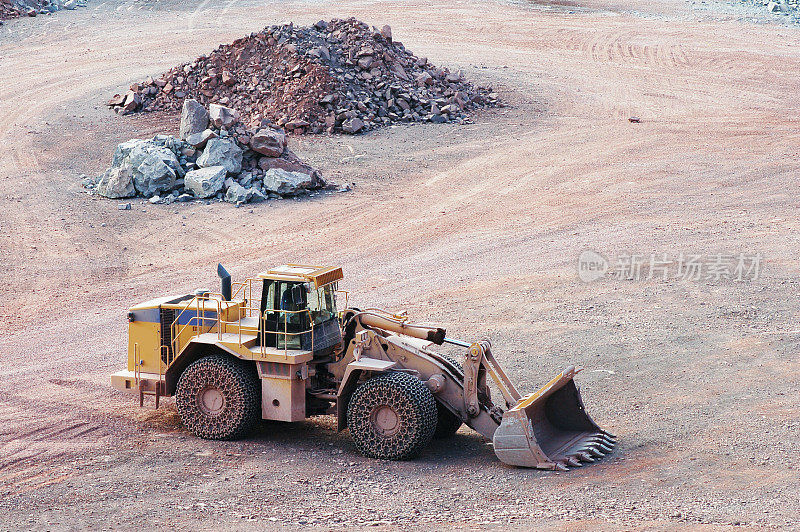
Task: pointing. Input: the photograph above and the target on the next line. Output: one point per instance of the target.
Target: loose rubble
(207, 161)
(30, 8)
(337, 76)
(786, 9)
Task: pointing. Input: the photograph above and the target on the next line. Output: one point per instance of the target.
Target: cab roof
(319, 275)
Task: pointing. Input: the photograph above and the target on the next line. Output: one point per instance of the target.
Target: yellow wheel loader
(277, 347)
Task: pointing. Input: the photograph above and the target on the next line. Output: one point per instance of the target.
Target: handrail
(200, 319)
(346, 299)
(286, 332)
(243, 295)
(136, 363)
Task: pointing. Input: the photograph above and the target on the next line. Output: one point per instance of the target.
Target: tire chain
(238, 386)
(414, 405)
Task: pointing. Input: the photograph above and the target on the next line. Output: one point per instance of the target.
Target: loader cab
(299, 308)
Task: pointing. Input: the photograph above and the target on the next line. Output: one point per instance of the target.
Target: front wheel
(218, 398)
(392, 416)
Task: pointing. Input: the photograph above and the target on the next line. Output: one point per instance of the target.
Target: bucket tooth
(560, 466)
(609, 434)
(594, 452)
(585, 457)
(604, 448)
(609, 441)
(573, 462)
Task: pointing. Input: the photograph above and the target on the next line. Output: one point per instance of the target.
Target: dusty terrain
(476, 227)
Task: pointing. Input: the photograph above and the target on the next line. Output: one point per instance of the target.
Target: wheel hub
(385, 420)
(211, 401)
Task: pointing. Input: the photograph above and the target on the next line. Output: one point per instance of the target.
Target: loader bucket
(550, 429)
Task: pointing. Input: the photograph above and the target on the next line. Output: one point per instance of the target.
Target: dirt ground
(478, 228)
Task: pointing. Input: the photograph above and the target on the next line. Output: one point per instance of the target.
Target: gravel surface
(476, 227)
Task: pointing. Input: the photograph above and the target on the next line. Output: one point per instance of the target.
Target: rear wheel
(218, 398)
(447, 422)
(392, 416)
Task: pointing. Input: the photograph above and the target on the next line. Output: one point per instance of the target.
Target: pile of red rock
(338, 76)
(9, 10)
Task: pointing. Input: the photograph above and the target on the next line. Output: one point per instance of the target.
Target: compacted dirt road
(476, 227)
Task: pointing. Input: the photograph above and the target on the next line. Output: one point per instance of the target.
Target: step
(288, 356)
(246, 340)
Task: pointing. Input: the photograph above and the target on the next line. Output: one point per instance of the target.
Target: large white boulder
(205, 182)
(116, 183)
(222, 152)
(287, 183)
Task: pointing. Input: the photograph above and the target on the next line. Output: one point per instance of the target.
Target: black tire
(392, 416)
(219, 398)
(447, 422)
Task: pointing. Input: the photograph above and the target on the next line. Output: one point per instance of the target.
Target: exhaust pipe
(226, 282)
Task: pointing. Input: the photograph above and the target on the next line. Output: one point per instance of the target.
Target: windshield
(322, 303)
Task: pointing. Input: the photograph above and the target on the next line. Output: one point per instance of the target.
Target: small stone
(132, 102)
(269, 142)
(296, 124)
(236, 193)
(424, 79)
(124, 206)
(228, 79)
(221, 116)
(386, 32)
(199, 140)
(155, 199)
(353, 125)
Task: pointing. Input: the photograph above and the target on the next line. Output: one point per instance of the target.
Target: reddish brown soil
(476, 227)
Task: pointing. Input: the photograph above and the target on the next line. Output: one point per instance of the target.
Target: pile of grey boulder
(207, 161)
(31, 8)
(781, 8)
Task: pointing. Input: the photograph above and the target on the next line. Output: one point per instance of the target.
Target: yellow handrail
(200, 318)
(136, 363)
(286, 332)
(346, 299)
